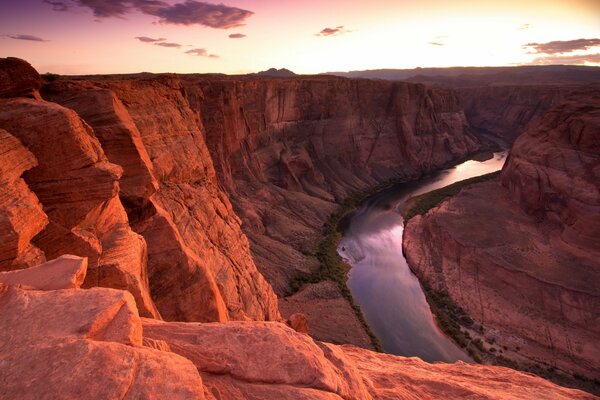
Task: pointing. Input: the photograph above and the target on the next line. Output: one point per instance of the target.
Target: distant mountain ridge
(477, 76)
(276, 73)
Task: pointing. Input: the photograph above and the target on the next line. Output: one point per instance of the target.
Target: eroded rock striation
(99, 331)
(521, 254)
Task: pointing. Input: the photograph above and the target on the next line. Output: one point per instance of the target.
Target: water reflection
(388, 293)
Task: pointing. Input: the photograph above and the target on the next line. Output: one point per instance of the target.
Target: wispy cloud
(237, 36)
(188, 12)
(30, 38)
(147, 39)
(577, 59)
(58, 5)
(524, 27)
(561, 46)
(167, 44)
(436, 43)
(201, 53)
(338, 30)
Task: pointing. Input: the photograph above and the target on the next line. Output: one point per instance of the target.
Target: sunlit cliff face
(90, 36)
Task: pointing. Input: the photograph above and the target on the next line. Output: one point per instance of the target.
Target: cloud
(436, 43)
(237, 36)
(166, 44)
(107, 8)
(524, 27)
(193, 12)
(147, 39)
(201, 53)
(31, 38)
(58, 5)
(577, 59)
(188, 12)
(560, 46)
(338, 30)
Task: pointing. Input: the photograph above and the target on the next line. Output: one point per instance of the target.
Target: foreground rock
(65, 272)
(255, 360)
(521, 254)
(52, 342)
(21, 215)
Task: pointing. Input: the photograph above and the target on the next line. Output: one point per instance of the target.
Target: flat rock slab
(64, 272)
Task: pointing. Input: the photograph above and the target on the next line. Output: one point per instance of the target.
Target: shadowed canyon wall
(287, 149)
(521, 253)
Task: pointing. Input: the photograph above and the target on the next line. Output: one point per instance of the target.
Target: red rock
(260, 353)
(99, 314)
(116, 131)
(79, 188)
(285, 149)
(298, 322)
(392, 377)
(18, 79)
(64, 272)
(57, 340)
(21, 215)
(328, 314)
(199, 264)
(522, 257)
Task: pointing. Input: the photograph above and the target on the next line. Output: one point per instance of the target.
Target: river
(382, 284)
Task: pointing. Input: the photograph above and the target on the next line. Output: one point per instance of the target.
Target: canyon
(162, 220)
(519, 253)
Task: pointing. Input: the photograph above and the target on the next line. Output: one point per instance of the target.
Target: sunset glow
(311, 36)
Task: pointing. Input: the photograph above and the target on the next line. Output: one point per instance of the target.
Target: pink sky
(311, 36)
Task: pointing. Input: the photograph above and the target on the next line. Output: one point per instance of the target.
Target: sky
(309, 36)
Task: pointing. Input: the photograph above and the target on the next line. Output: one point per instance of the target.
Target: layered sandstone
(507, 111)
(52, 342)
(521, 254)
(287, 149)
(199, 264)
(78, 188)
(97, 332)
(21, 215)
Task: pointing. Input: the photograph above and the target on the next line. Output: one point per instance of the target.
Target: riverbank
(473, 256)
(332, 267)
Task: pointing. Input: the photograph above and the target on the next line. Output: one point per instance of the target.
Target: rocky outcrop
(78, 189)
(199, 264)
(97, 332)
(65, 272)
(52, 342)
(520, 254)
(21, 215)
(326, 310)
(18, 79)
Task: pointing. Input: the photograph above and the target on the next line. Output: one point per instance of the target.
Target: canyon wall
(142, 205)
(287, 149)
(521, 253)
(506, 111)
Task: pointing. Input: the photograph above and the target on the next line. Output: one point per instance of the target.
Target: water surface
(388, 293)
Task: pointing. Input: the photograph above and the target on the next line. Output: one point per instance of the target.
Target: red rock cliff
(521, 254)
(286, 149)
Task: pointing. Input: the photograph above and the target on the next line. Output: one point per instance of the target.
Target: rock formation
(21, 215)
(99, 331)
(133, 176)
(521, 253)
